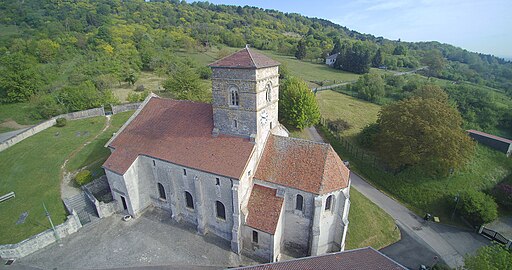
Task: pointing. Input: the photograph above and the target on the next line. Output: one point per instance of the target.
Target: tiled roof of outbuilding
(302, 164)
(245, 58)
(264, 209)
(179, 132)
(494, 137)
(356, 259)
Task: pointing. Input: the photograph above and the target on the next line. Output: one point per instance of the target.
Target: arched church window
(299, 202)
(189, 200)
(328, 203)
(268, 92)
(221, 210)
(234, 98)
(161, 191)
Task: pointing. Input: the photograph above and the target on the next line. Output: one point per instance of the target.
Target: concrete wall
(41, 240)
(125, 107)
(49, 123)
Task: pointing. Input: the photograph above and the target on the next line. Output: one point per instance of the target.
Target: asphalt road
(450, 243)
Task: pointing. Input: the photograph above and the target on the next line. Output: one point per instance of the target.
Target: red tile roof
(357, 259)
(264, 209)
(179, 132)
(245, 58)
(489, 136)
(302, 164)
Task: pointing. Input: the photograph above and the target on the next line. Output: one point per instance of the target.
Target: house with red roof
(230, 169)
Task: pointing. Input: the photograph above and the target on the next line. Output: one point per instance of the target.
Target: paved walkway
(151, 240)
(450, 243)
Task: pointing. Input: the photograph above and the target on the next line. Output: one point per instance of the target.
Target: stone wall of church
(331, 232)
(204, 189)
(263, 249)
(297, 223)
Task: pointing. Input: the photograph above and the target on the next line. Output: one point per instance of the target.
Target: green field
(356, 112)
(309, 71)
(369, 225)
(419, 193)
(31, 169)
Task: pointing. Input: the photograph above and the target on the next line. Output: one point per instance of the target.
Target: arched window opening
(234, 98)
(221, 211)
(255, 236)
(161, 191)
(189, 199)
(328, 203)
(268, 92)
(299, 202)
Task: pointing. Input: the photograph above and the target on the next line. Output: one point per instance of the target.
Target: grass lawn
(32, 170)
(356, 112)
(94, 154)
(369, 225)
(419, 193)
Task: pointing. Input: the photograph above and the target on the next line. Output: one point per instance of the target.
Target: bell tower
(245, 88)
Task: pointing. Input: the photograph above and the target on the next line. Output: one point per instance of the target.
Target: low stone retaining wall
(27, 133)
(83, 114)
(96, 192)
(125, 107)
(41, 240)
(49, 123)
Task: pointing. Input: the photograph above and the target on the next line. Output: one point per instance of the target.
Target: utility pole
(51, 222)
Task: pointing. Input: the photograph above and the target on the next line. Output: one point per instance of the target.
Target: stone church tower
(245, 95)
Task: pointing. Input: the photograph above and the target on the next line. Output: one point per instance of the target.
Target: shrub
(139, 88)
(204, 72)
(503, 195)
(61, 121)
(83, 177)
(338, 125)
(478, 207)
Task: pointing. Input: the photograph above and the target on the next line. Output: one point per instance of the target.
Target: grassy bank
(369, 225)
(94, 154)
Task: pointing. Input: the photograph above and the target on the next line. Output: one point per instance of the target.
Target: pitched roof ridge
(218, 60)
(250, 55)
(326, 156)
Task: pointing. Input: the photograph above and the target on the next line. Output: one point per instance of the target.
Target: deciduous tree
(494, 257)
(423, 132)
(297, 104)
(184, 83)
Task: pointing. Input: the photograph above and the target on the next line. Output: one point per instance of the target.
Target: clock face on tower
(264, 117)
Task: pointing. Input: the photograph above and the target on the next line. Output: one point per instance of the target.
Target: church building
(230, 169)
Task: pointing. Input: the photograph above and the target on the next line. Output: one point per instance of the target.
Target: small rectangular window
(255, 236)
(217, 181)
(154, 163)
(184, 171)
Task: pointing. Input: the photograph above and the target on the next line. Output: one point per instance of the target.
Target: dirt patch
(9, 123)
